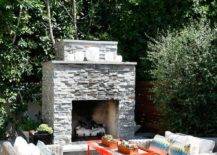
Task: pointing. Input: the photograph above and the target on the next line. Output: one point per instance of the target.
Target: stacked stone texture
(64, 82)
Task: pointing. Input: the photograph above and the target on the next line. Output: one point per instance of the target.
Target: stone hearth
(68, 80)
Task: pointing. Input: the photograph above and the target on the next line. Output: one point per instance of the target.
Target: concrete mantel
(91, 63)
(88, 42)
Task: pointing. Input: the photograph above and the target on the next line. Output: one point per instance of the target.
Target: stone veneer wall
(64, 82)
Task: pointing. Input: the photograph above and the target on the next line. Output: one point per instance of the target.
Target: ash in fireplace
(89, 129)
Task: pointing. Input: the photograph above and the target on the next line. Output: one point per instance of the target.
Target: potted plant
(25, 125)
(43, 133)
(126, 147)
(109, 141)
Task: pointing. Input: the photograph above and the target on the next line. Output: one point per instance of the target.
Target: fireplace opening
(91, 119)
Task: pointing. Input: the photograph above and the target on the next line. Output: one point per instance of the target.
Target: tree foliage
(186, 73)
(25, 44)
(131, 22)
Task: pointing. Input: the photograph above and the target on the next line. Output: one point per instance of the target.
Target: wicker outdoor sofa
(197, 146)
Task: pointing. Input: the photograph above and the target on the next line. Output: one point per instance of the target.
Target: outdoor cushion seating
(21, 147)
(178, 149)
(7, 149)
(159, 145)
(197, 146)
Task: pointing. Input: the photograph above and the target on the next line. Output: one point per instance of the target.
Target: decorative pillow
(199, 145)
(159, 145)
(21, 146)
(206, 154)
(34, 149)
(176, 138)
(142, 143)
(179, 149)
(44, 150)
(7, 149)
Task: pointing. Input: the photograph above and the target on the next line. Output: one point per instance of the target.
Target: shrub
(185, 70)
(45, 128)
(27, 124)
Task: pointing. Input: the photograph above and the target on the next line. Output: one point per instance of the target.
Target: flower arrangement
(108, 137)
(127, 147)
(109, 141)
(44, 128)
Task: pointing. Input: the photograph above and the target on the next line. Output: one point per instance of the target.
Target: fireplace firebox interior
(93, 118)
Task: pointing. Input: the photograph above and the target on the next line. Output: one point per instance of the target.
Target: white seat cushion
(199, 145)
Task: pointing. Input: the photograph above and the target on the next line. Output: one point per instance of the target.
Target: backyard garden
(172, 42)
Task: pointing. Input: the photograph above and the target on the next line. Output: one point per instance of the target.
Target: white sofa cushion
(199, 145)
(176, 138)
(142, 143)
(34, 150)
(206, 154)
(21, 146)
(7, 149)
(44, 150)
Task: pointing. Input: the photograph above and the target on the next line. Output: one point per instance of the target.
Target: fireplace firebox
(88, 87)
(91, 119)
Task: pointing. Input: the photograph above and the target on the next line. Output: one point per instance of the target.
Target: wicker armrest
(142, 143)
(55, 149)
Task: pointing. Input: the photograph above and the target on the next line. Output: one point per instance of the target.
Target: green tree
(186, 72)
(25, 43)
(131, 22)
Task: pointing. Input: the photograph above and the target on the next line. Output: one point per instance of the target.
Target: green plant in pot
(44, 128)
(44, 133)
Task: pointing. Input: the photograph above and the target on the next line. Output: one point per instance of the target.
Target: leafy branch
(18, 23)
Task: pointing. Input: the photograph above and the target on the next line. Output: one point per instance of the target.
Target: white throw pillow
(21, 146)
(199, 145)
(34, 150)
(179, 149)
(44, 150)
(205, 154)
(176, 138)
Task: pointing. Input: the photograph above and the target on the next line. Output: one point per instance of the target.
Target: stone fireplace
(88, 81)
